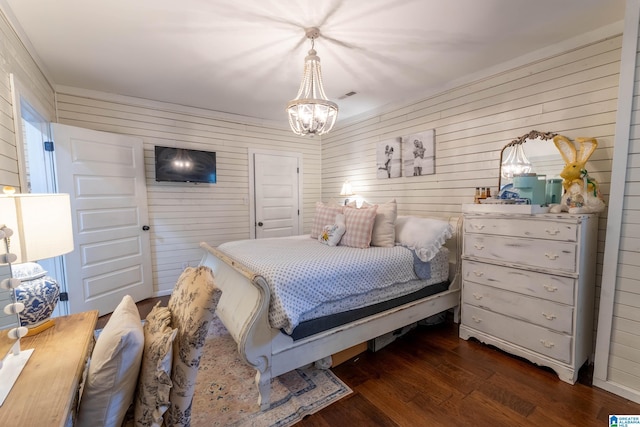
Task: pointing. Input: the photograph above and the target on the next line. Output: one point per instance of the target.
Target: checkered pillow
(359, 223)
(325, 215)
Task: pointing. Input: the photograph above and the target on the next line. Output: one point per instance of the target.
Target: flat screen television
(184, 165)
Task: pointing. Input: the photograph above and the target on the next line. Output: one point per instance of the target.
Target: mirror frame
(534, 134)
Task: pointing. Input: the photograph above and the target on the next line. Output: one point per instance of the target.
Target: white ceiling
(246, 56)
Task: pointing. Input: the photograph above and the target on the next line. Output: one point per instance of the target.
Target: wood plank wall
(15, 59)
(183, 214)
(619, 353)
(624, 362)
(574, 94)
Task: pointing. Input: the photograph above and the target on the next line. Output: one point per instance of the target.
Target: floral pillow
(154, 382)
(192, 304)
(331, 234)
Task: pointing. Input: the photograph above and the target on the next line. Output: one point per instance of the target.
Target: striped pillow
(359, 223)
(325, 215)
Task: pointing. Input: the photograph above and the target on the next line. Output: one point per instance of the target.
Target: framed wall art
(389, 159)
(419, 153)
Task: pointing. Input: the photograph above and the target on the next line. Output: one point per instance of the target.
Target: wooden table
(46, 391)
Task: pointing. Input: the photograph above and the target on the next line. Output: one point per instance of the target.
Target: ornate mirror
(534, 152)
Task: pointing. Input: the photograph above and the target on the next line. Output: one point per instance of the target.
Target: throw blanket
(303, 273)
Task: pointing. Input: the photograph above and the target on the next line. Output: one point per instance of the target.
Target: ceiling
(246, 56)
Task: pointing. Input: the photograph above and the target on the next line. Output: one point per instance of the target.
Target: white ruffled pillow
(331, 234)
(424, 235)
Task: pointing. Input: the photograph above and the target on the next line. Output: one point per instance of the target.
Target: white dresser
(528, 286)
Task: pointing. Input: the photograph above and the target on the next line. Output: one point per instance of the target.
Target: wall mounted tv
(184, 165)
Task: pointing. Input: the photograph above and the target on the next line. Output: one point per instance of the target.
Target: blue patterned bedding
(304, 274)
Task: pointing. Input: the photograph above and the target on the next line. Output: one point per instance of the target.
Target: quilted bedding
(303, 273)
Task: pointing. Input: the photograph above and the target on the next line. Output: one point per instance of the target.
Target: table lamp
(347, 191)
(34, 227)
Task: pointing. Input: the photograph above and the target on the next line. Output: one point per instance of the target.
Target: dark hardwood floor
(430, 377)
(144, 307)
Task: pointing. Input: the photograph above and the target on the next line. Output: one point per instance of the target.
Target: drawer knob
(552, 232)
(550, 288)
(477, 296)
(552, 257)
(478, 273)
(549, 316)
(476, 319)
(478, 227)
(547, 344)
(478, 246)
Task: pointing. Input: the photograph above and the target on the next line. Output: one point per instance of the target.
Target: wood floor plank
(430, 377)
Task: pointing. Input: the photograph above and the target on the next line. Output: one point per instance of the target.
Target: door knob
(260, 224)
(145, 228)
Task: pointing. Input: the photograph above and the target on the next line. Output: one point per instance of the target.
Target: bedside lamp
(42, 227)
(346, 191)
(33, 227)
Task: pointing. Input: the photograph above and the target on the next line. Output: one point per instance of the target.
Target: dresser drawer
(541, 285)
(533, 337)
(535, 229)
(527, 252)
(552, 315)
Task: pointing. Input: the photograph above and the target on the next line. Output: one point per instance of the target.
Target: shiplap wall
(16, 60)
(183, 214)
(574, 94)
(617, 362)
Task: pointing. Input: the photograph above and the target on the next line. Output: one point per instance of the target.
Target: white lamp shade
(347, 190)
(41, 224)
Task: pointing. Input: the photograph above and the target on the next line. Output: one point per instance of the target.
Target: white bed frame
(244, 304)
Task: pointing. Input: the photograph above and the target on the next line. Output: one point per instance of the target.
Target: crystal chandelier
(311, 112)
(516, 163)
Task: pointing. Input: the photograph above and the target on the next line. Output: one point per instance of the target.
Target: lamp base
(11, 367)
(40, 327)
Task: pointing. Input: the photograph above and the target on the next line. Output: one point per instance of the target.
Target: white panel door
(276, 195)
(104, 174)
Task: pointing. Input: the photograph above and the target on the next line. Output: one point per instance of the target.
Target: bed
(244, 309)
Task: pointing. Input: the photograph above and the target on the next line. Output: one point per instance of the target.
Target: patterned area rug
(226, 394)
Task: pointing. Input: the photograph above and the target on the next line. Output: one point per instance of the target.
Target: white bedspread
(303, 273)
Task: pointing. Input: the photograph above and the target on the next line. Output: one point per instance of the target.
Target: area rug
(226, 394)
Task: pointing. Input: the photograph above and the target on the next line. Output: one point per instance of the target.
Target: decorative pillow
(192, 304)
(113, 368)
(333, 203)
(424, 235)
(325, 214)
(154, 382)
(384, 228)
(359, 223)
(331, 234)
(27, 271)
